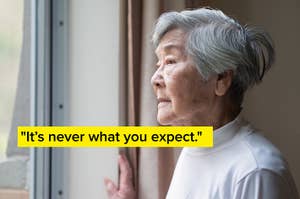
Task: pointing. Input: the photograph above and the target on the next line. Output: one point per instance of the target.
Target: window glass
(14, 96)
(11, 20)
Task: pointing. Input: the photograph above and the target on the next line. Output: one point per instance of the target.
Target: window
(14, 96)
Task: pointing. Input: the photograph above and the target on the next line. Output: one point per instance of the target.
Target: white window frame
(48, 83)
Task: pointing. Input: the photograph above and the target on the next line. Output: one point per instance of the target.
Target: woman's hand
(125, 189)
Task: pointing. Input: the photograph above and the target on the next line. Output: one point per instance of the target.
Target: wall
(94, 91)
(274, 106)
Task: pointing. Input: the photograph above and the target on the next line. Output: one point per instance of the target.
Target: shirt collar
(222, 135)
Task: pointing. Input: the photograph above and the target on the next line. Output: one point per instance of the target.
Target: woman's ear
(223, 82)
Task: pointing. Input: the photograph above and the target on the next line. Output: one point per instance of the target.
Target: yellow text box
(115, 136)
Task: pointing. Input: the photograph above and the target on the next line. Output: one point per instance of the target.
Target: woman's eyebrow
(171, 46)
(168, 47)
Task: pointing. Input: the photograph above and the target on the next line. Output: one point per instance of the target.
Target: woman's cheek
(176, 83)
(176, 94)
(169, 70)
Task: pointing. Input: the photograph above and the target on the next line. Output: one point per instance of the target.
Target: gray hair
(218, 43)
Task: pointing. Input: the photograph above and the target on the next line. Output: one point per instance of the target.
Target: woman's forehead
(173, 40)
(169, 47)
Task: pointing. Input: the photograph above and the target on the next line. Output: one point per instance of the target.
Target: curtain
(196, 3)
(152, 167)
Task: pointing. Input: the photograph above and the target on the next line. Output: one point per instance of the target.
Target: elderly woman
(206, 62)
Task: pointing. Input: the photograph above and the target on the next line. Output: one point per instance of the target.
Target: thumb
(111, 188)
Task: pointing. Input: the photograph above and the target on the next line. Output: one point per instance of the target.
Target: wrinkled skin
(184, 97)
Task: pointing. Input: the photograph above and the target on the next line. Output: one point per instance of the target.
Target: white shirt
(241, 165)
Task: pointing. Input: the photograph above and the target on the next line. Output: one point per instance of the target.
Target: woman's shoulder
(264, 154)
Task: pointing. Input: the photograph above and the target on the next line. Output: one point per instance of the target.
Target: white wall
(274, 106)
(94, 90)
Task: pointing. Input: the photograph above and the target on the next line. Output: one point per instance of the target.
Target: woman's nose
(157, 79)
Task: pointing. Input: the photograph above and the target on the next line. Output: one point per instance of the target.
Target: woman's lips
(163, 101)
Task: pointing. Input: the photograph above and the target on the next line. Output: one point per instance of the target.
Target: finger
(126, 175)
(111, 188)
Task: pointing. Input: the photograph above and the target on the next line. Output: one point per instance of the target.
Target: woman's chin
(164, 120)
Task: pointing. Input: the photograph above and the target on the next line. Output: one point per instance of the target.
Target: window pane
(11, 15)
(14, 96)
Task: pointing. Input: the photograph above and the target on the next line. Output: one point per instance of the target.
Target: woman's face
(184, 98)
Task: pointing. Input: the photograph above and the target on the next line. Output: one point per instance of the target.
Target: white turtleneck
(241, 165)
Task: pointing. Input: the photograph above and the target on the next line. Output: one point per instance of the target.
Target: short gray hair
(218, 43)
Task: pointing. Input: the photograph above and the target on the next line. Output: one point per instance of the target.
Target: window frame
(49, 61)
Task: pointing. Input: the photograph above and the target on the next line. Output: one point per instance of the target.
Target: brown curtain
(153, 167)
(196, 3)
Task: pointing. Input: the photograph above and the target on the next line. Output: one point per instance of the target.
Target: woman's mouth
(163, 101)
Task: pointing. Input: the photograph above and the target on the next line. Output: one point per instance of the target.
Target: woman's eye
(170, 61)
